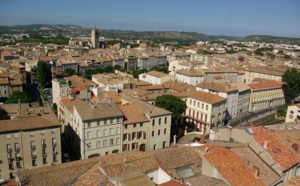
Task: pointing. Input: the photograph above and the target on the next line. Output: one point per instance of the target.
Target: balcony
(11, 167)
(19, 158)
(55, 152)
(33, 147)
(44, 145)
(33, 156)
(45, 155)
(54, 144)
(9, 150)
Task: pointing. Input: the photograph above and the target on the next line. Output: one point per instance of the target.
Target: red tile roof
(231, 167)
(279, 153)
(266, 84)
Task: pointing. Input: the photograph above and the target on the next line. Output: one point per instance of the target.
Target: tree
(136, 73)
(69, 72)
(109, 69)
(172, 104)
(16, 96)
(117, 67)
(292, 85)
(43, 71)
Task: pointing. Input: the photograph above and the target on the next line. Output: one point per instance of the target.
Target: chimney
(266, 144)
(202, 139)
(256, 171)
(174, 139)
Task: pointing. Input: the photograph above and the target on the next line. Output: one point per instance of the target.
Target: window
(16, 135)
(111, 131)
(104, 143)
(111, 120)
(164, 144)
(126, 126)
(44, 160)
(125, 147)
(154, 146)
(17, 147)
(88, 124)
(7, 136)
(53, 141)
(111, 142)
(198, 104)
(32, 145)
(104, 122)
(118, 141)
(125, 137)
(190, 101)
(153, 122)
(158, 132)
(42, 132)
(133, 135)
(53, 131)
(31, 133)
(194, 103)
(206, 107)
(98, 123)
(34, 163)
(134, 125)
(165, 131)
(202, 106)
(134, 146)
(141, 124)
(166, 120)
(43, 142)
(105, 132)
(89, 135)
(118, 130)
(152, 133)
(98, 144)
(98, 133)
(89, 145)
(159, 121)
(9, 149)
(184, 172)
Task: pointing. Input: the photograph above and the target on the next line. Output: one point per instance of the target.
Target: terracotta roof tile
(266, 84)
(156, 74)
(295, 181)
(279, 153)
(137, 116)
(231, 167)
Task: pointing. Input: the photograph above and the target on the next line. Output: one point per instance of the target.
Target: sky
(210, 17)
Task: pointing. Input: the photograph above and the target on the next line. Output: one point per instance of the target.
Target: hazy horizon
(214, 17)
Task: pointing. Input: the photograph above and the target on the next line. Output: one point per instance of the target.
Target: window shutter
(129, 136)
(144, 134)
(138, 135)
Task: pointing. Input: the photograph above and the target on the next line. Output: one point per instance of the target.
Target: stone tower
(95, 38)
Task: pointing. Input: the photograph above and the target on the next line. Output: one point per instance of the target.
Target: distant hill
(163, 36)
(271, 39)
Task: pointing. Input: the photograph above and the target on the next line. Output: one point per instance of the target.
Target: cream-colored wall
(24, 139)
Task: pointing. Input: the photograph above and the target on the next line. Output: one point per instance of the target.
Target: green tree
(54, 108)
(160, 69)
(292, 85)
(136, 73)
(117, 67)
(172, 104)
(43, 71)
(109, 69)
(69, 72)
(16, 96)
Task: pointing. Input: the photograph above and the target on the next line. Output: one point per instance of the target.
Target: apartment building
(191, 77)
(265, 95)
(93, 129)
(225, 90)
(204, 110)
(224, 74)
(262, 72)
(243, 98)
(62, 88)
(157, 127)
(155, 77)
(30, 141)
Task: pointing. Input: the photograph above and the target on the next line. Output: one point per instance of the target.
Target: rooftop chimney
(202, 139)
(266, 144)
(256, 171)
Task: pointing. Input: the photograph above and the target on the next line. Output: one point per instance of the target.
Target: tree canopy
(69, 72)
(172, 104)
(16, 95)
(43, 73)
(292, 79)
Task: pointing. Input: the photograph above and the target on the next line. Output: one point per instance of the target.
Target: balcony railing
(33, 156)
(55, 152)
(33, 147)
(45, 155)
(54, 143)
(17, 149)
(44, 145)
(9, 150)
